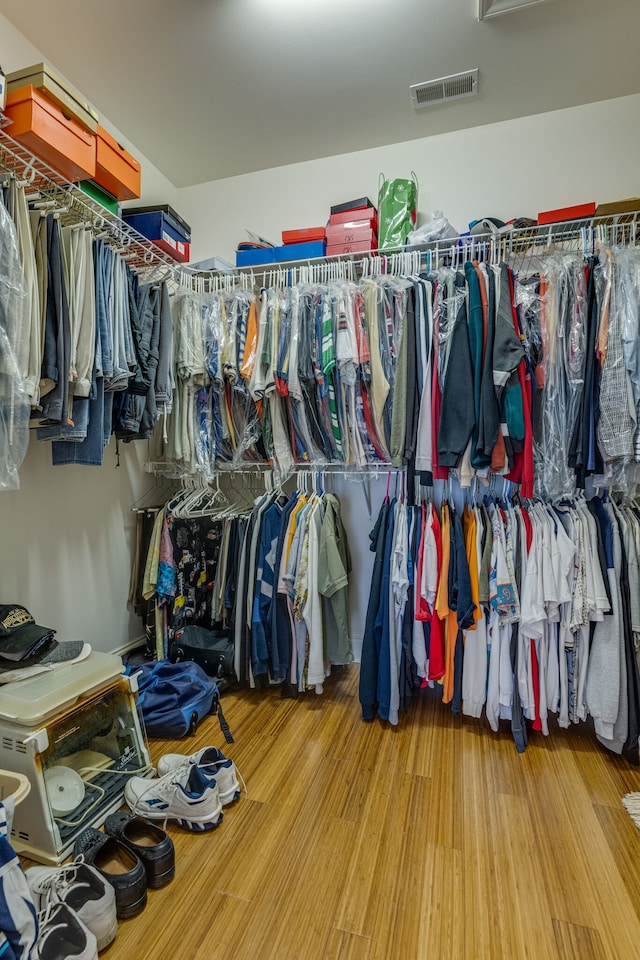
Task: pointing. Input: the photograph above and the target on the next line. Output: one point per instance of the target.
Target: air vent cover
(446, 88)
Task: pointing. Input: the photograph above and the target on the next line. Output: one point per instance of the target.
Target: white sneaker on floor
(213, 763)
(184, 794)
(63, 935)
(84, 890)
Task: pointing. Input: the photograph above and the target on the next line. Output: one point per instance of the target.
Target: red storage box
(45, 130)
(177, 249)
(579, 212)
(351, 233)
(362, 203)
(338, 249)
(116, 170)
(368, 216)
(307, 235)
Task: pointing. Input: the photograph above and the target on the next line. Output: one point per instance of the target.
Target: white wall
(514, 168)
(509, 169)
(67, 539)
(67, 536)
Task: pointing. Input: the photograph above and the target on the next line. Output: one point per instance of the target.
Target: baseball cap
(485, 225)
(20, 636)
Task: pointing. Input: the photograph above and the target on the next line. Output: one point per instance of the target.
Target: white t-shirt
(317, 670)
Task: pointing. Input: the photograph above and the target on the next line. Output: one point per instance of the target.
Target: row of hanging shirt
(300, 375)
(87, 349)
(468, 371)
(581, 322)
(520, 611)
(275, 579)
(345, 372)
(292, 612)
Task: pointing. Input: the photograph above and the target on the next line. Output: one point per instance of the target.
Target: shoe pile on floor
(79, 904)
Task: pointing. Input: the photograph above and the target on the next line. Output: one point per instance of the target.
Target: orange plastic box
(579, 212)
(44, 129)
(116, 170)
(302, 236)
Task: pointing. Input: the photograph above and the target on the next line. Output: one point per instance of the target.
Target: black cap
(20, 636)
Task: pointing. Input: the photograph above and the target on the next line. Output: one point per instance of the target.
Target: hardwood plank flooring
(435, 840)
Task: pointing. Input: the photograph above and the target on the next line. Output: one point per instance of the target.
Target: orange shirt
(470, 533)
(251, 343)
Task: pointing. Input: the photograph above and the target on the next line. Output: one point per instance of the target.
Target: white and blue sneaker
(63, 935)
(84, 890)
(184, 794)
(213, 763)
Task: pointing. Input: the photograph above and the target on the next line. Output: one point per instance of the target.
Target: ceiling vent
(455, 87)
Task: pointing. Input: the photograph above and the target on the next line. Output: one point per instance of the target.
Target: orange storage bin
(116, 170)
(45, 130)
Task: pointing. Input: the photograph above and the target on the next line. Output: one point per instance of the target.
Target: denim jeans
(88, 452)
(77, 430)
(123, 353)
(57, 349)
(103, 261)
(108, 416)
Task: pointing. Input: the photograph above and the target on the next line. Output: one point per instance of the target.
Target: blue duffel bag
(174, 697)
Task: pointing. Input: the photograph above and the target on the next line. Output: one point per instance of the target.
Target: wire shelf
(48, 190)
(515, 245)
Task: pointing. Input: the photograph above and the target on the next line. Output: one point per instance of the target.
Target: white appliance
(75, 732)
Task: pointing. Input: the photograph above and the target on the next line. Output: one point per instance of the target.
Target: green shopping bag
(397, 211)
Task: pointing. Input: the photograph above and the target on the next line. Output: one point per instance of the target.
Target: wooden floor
(433, 840)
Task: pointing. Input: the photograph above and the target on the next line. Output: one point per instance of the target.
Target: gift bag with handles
(397, 211)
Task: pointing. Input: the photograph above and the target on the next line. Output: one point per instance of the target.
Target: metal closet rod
(174, 472)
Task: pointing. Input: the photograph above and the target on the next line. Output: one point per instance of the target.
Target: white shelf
(47, 187)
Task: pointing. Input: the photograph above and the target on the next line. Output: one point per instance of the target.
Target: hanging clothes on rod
(526, 370)
(186, 562)
(272, 571)
(93, 350)
(299, 614)
(520, 610)
(14, 386)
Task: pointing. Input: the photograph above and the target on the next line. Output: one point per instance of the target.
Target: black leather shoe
(119, 866)
(148, 842)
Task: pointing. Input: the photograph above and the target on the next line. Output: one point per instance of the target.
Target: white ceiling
(212, 88)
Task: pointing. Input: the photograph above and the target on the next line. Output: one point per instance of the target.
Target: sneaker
(63, 935)
(184, 794)
(84, 890)
(213, 763)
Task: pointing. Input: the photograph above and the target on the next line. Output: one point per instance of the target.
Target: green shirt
(334, 566)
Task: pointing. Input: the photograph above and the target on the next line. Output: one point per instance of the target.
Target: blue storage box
(154, 225)
(254, 258)
(160, 231)
(301, 251)
(173, 218)
(293, 251)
